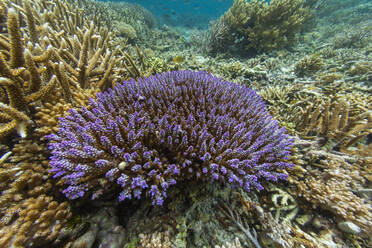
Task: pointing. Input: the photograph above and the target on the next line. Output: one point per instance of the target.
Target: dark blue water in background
(186, 13)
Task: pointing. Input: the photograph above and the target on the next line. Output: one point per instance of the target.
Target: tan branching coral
(265, 26)
(309, 64)
(29, 215)
(157, 239)
(333, 189)
(342, 120)
(43, 72)
(40, 64)
(331, 181)
(336, 120)
(25, 176)
(48, 115)
(40, 221)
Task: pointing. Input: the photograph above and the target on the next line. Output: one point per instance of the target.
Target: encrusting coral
(168, 128)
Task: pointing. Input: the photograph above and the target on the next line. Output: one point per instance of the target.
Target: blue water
(188, 13)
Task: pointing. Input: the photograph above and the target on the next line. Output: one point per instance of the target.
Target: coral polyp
(147, 135)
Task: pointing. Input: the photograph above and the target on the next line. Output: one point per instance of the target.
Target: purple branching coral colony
(145, 136)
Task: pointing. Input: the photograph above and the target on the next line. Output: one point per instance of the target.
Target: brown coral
(157, 239)
(309, 65)
(329, 181)
(265, 26)
(40, 221)
(39, 63)
(44, 72)
(338, 121)
(29, 214)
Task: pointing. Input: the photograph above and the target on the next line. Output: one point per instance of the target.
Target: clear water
(188, 13)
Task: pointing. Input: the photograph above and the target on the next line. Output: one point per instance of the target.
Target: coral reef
(336, 120)
(353, 37)
(126, 31)
(44, 71)
(231, 138)
(235, 244)
(313, 71)
(103, 228)
(122, 17)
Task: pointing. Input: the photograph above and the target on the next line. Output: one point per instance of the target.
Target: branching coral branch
(235, 219)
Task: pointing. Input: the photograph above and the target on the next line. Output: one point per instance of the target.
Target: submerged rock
(349, 227)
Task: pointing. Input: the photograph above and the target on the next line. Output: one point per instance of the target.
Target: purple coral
(145, 136)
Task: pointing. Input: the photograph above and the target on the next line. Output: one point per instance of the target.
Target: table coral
(165, 128)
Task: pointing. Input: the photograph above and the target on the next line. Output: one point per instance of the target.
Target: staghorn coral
(48, 115)
(113, 13)
(162, 129)
(13, 79)
(340, 119)
(40, 64)
(261, 26)
(44, 72)
(361, 68)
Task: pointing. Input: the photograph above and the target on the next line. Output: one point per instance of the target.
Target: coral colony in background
(146, 136)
